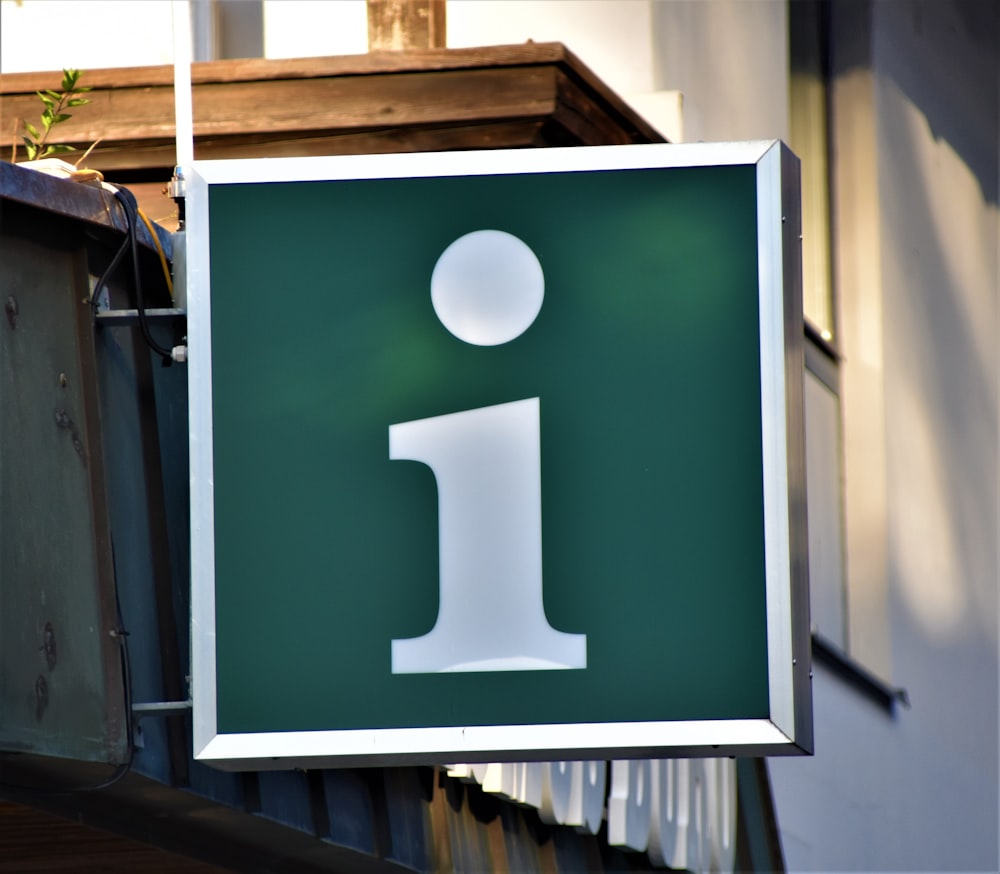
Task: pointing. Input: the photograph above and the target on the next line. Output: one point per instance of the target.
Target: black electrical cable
(121, 635)
(106, 275)
(131, 209)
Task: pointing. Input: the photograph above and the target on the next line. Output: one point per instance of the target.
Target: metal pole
(183, 113)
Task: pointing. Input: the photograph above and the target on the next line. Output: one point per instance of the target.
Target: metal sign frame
(787, 726)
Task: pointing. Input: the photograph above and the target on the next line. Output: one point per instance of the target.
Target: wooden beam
(434, 99)
(399, 25)
(532, 94)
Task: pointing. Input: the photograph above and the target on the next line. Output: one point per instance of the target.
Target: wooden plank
(535, 94)
(31, 840)
(120, 162)
(396, 25)
(137, 103)
(375, 101)
(293, 106)
(259, 69)
(587, 120)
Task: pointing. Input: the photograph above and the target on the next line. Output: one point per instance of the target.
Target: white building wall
(918, 791)
(40, 35)
(729, 59)
(314, 28)
(613, 37)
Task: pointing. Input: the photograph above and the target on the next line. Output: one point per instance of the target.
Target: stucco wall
(918, 791)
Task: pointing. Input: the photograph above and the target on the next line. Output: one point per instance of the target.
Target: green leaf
(61, 117)
(69, 79)
(55, 95)
(31, 129)
(82, 90)
(58, 149)
(78, 101)
(31, 148)
(48, 101)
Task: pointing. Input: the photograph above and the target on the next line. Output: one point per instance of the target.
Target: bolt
(63, 381)
(10, 308)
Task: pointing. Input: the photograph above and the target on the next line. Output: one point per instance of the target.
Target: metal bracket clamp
(176, 187)
(116, 318)
(161, 708)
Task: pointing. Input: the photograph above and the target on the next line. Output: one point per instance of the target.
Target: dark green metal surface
(61, 691)
(644, 357)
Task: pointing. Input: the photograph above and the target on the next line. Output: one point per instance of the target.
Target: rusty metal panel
(61, 683)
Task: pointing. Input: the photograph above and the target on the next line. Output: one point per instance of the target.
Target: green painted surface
(645, 359)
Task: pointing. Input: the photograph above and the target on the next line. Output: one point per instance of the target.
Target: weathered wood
(517, 133)
(535, 94)
(33, 840)
(298, 106)
(397, 25)
(279, 98)
(244, 69)
(587, 121)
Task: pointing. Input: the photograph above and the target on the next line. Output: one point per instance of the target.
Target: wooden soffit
(535, 94)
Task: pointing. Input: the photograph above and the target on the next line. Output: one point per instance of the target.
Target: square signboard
(497, 456)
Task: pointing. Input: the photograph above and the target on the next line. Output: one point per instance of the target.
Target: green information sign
(497, 455)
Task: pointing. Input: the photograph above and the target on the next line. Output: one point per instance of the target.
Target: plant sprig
(36, 143)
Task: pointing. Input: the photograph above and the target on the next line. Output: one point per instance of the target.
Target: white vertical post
(183, 112)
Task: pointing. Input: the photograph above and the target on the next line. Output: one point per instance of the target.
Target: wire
(106, 275)
(131, 209)
(127, 200)
(121, 635)
(159, 251)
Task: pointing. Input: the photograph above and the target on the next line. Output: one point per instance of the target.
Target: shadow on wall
(940, 283)
(937, 103)
(943, 56)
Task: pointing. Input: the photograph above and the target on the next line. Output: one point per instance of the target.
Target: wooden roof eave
(499, 96)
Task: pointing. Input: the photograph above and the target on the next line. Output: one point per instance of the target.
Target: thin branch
(83, 157)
